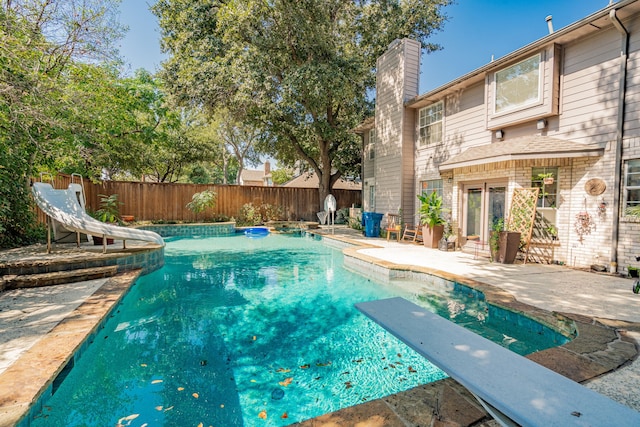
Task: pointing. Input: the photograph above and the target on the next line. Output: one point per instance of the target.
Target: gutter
(622, 90)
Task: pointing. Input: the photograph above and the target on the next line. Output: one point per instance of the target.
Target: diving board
(64, 207)
(512, 388)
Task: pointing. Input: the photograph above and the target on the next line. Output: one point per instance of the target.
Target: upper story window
(430, 124)
(372, 144)
(632, 186)
(524, 91)
(518, 85)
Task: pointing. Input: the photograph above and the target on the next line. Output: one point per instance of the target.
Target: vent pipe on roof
(549, 23)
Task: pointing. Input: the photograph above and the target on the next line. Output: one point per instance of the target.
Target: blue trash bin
(372, 223)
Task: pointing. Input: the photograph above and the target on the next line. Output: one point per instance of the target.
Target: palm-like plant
(431, 209)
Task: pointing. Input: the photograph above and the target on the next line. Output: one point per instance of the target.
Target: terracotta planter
(127, 218)
(98, 241)
(431, 235)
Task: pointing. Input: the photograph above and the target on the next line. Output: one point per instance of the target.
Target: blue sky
(476, 30)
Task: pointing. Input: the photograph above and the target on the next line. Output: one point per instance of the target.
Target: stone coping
(31, 376)
(34, 259)
(599, 347)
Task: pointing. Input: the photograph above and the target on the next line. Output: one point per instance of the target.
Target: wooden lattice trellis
(522, 215)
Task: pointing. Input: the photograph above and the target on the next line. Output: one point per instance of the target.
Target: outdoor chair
(393, 226)
(412, 233)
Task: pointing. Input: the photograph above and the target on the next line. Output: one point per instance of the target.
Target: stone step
(56, 278)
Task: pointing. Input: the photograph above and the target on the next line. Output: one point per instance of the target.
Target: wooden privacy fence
(151, 201)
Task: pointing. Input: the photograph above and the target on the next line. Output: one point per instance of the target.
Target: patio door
(483, 203)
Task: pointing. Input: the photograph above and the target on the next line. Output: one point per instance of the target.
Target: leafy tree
(282, 175)
(202, 201)
(39, 39)
(233, 142)
(239, 139)
(125, 127)
(199, 175)
(300, 70)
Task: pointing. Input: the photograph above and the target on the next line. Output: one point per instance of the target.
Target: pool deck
(41, 328)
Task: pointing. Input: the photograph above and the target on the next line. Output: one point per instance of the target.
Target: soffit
(526, 148)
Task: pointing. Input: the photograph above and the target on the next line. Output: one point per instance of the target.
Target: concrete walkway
(551, 287)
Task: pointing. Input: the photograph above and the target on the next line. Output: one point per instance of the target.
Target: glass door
(484, 203)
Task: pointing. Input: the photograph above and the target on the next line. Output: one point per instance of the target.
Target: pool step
(55, 278)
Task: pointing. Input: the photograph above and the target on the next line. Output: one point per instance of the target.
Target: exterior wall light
(541, 124)
(499, 134)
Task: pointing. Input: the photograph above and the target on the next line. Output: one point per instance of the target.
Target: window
(372, 144)
(430, 186)
(372, 197)
(518, 86)
(632, 184)
(546, 179)
(430, 124)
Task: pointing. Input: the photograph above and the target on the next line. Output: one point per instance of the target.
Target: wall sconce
(541, 124)
(499, 134)
(450, 180)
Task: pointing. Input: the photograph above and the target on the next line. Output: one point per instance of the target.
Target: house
(260, 178)
(310, 180)
(561, 114)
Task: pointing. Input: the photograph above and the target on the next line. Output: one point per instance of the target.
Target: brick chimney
(267, 168)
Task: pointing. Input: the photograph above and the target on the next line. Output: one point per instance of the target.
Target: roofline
(515, 54)
(587, 152)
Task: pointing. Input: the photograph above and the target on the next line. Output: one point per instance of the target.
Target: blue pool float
(256, 232)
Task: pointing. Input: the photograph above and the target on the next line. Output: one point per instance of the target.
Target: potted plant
(494, 237)
(503, 244)
(109, 212)
(431, 218)
(633, 271)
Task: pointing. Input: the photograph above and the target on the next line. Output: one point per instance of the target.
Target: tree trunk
(225, 165)
(325, 180)
(240, 169)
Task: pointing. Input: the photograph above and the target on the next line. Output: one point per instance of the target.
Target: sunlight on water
(236, 331)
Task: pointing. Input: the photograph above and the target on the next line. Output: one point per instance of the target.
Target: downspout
(622, 90)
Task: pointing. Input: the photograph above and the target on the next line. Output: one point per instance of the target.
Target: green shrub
(251, 215)
(202, 201)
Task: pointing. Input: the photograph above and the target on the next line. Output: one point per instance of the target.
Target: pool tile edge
(31, 376)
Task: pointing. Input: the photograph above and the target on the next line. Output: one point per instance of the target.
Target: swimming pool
(236, 331)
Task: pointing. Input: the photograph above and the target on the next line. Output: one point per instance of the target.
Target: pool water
(254, 332)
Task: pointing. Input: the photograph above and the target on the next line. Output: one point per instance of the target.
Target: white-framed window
(431, 185)
(371, 150)
(430, 124)
(546, 179)
(372, 197)
(519, 85)
(631, 183)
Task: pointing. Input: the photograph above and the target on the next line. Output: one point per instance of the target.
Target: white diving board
(513, 389)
